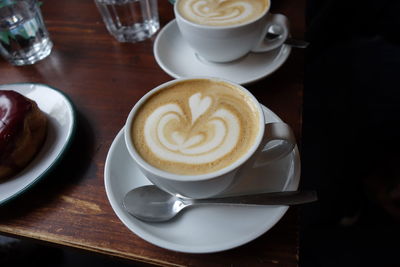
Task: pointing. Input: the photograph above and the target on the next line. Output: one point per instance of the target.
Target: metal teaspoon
(151, 204)
(274, 32)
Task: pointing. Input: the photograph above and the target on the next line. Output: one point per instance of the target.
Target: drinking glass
(130, 20)
(24, 38)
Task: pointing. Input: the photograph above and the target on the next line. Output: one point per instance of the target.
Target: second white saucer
(179, 60)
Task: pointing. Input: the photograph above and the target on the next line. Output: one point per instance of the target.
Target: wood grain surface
(104, 79)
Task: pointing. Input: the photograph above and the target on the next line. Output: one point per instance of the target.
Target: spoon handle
(296, 43)
(273, 198)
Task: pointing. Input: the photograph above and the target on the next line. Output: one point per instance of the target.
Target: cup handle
(278, 141)
(281, 24)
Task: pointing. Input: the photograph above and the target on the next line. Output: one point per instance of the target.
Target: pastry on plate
(23, 128)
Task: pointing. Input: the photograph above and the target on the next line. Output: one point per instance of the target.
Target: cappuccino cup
(196, 137)
(226, 30)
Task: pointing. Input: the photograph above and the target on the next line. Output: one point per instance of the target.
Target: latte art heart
(221, 12)
(195, 127)
(198, 105)
(170, 135)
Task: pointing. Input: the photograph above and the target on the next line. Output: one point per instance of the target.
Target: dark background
(351, 134)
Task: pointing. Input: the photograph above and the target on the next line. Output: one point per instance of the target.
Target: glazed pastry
(23, 128)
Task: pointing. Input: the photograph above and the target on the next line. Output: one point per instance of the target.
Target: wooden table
(104, 79)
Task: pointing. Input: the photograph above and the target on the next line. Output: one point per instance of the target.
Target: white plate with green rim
(60, 130)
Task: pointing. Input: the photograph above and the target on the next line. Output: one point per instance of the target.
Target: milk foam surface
(194, 127)
(222, 12)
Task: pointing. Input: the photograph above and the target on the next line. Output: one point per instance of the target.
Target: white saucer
(203, 229)
(179, 60)
(61, 126)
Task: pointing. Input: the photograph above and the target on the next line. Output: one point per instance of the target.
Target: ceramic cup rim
(200, 177)
(178, 16)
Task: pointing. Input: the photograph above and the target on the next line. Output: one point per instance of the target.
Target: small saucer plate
(179, 60)
(202, 229)
(60, 129)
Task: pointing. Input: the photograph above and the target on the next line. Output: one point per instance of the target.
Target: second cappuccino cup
(223, 31)
(196, 137)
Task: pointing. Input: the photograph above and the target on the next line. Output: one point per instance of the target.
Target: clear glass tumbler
(23, 36)
(130, 20)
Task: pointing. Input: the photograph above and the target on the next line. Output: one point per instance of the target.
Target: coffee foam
(195, 127)
(222, 12)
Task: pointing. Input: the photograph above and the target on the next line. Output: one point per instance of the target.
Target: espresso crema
(222, 12)
(195, 127)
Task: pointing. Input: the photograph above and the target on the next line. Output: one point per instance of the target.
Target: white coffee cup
(219, 181)
(230, 42)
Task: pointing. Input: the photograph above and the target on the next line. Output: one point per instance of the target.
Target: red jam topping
(13, 109)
